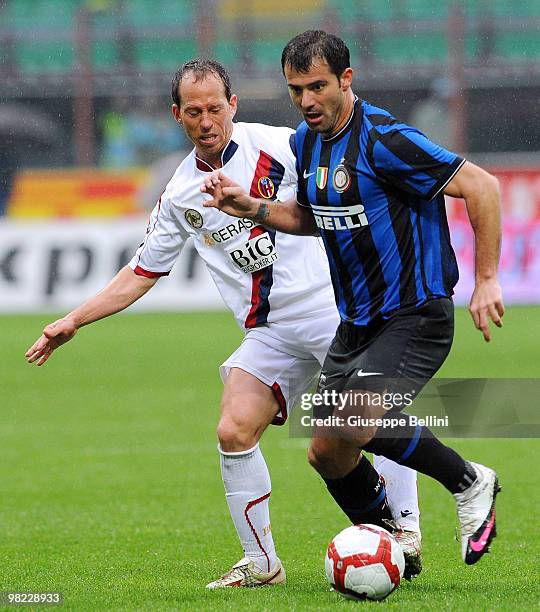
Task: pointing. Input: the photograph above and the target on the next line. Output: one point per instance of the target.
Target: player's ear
(176, 114)
(233, 104)
(345, 80)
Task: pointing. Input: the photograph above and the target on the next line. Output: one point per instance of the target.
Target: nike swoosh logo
(308, 175)
(480, 544)
(405, 513)
(362, 373)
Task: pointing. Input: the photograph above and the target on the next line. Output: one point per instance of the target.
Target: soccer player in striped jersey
(278, 288)
(373, 188)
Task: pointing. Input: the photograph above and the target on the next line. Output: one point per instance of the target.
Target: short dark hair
(302, 50)
(200, 68)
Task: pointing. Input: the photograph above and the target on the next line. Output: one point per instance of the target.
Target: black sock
(361, 495)
(417, 448)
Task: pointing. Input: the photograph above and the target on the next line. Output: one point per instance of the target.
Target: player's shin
(247, 488)
(361, 494)
(417, 448)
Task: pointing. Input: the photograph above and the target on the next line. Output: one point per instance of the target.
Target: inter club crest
(341, 178)
(266, 187)
(322, 177)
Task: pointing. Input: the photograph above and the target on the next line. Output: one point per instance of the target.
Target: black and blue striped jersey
(376, 193)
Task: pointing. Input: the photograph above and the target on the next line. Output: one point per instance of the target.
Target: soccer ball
(364, 562)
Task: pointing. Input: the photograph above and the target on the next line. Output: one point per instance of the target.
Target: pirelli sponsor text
(340, 217)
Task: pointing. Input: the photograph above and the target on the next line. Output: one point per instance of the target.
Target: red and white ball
(364, 562)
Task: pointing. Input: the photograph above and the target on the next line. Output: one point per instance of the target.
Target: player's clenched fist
(228, 196)
(54, 335)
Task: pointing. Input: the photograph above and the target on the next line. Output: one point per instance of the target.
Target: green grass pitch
(110, 488)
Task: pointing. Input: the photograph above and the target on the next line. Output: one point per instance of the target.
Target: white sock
(401, 492)
(247, 489)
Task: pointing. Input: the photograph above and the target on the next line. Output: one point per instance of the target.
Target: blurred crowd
(135, 135)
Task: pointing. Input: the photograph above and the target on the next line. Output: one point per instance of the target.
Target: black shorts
(395, 356)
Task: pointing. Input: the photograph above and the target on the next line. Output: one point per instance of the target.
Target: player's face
(206, 115)
(324, 100)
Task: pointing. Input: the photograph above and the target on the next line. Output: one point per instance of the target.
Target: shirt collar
(346, 126)
(226, 155)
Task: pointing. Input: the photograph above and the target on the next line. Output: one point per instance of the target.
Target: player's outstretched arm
(124, 289)
(482, 197)
(231, 198)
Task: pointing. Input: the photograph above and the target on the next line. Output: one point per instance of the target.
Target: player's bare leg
(248, 406)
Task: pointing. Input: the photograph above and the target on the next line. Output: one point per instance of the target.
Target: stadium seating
(32, 15)
(141, 13)
(157, 35)
(45, 37)
(46, 56)
(163, 55)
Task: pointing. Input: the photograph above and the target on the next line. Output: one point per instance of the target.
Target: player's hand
(54, 335)
(227, 196)
(486, 303)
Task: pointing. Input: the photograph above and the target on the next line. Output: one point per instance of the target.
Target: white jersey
(263, 276)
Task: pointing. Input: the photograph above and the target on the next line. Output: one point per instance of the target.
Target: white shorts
(285, 356)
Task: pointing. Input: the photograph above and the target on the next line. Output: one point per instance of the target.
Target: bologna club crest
(266, 187)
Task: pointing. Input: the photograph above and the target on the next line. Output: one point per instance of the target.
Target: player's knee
(235, 436)
(315, 459)
(333, 458)
(363, 438)
(322, 458)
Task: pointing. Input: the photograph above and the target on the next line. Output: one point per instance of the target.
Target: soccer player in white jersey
(266, 279)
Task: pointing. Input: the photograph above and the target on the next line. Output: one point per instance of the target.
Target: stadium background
(107, 447)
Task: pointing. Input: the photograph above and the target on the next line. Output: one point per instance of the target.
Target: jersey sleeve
(165, 238)
(408, 160)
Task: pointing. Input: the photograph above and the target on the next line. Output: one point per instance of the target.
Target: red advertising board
(520, 254)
